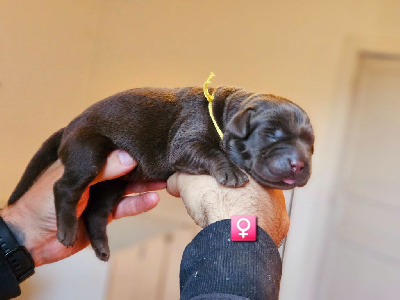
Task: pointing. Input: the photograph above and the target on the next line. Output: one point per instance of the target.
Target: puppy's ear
(239, 125)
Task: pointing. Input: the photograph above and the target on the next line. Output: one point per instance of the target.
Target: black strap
(17, 256)
(9, 287)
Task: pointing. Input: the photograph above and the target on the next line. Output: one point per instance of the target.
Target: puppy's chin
(279, 178)
(277, 182)
(272, 184)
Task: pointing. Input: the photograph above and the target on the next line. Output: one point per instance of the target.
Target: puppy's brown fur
(169, 130)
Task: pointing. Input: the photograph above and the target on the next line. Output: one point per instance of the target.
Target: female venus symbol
(243, 231)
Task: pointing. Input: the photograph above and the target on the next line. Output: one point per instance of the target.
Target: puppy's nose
(297, 166)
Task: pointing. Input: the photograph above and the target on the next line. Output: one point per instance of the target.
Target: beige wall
(58, 57)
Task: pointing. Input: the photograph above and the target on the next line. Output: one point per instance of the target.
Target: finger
(136, 187)
(181, 183)
(118, 163)
(172, 185)
(134, 205)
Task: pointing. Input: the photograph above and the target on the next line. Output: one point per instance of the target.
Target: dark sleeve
(214, 267)
(9, 286)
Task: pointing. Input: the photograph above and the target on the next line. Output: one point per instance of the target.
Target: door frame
(296, 284)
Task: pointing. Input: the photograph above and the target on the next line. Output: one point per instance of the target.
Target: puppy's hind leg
(83, 154)
(103, 198)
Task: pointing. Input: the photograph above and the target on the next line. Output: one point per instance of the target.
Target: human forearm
(207, 202)
(214, 265)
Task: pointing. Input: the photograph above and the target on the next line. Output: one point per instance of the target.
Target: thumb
(118, 163)
(172, 185)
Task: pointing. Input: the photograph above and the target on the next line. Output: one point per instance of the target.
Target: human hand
(207, 201)
(33, 221)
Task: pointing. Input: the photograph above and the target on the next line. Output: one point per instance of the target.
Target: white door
(363, 253)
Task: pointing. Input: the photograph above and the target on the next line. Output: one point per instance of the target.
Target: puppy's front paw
(230, 175)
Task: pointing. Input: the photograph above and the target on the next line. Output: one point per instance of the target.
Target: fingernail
(125, 158)
(152, 196)
(151, 199)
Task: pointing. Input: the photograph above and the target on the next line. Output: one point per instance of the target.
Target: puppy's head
(272, 139)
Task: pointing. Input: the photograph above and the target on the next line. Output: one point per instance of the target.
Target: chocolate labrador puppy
(170, 130)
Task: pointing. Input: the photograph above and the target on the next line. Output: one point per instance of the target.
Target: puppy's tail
(46, 155)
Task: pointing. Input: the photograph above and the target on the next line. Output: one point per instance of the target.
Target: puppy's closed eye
(276, 134)
(272, 135)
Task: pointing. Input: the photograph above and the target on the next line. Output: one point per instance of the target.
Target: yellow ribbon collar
(210, 98)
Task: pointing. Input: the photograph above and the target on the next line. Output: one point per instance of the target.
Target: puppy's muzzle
(283, 167)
